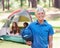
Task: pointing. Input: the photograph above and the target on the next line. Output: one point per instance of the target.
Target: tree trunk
(28, 3)
(38, 1)
(57, 3)
(21, 1)
(0, 3)
(8, 5)
(49, 3)
(34, 3)
(3, 4)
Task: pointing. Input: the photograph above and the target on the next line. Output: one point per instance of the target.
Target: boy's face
(40, 15)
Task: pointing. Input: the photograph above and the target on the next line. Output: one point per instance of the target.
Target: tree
(38, 1)
(57, 3)
(28, 3)
(34, 3)
(21, 1)
(0, 3)
(7, 4)
(3, 4)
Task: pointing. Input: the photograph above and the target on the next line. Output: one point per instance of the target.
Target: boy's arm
(51, 32)
(51, 41)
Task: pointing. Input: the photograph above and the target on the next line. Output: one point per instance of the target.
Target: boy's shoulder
(49, 25)
(32, 23)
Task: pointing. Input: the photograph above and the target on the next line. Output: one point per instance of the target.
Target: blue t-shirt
(40, 33)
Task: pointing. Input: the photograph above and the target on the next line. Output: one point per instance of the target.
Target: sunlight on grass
(6, 44)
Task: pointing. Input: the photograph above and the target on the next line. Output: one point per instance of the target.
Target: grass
(56, 40)
(56, 27)
(8, 44)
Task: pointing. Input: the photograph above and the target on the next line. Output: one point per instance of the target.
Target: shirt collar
(45, 22)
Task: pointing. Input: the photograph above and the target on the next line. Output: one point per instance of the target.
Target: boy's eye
(40, 13)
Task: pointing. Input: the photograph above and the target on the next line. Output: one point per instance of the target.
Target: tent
(18, 16)
(23, 15)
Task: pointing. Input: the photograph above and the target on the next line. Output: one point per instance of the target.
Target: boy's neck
(41, 21)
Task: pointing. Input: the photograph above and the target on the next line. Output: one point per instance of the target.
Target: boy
(42, 32)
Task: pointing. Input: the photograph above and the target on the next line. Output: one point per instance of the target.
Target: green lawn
(8, 44)
(56, 40)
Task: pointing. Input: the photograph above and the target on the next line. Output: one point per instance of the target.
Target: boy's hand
(29, 43)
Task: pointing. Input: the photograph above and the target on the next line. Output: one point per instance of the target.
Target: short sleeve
(51, 31)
